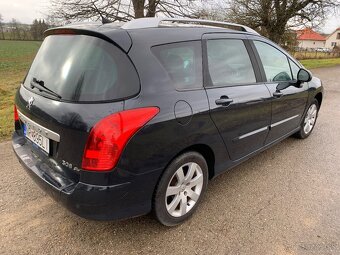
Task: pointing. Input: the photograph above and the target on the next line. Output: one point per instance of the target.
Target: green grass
(316, 63)
(15, 59)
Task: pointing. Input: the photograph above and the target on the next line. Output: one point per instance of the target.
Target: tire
(308, 121)
(180, 189)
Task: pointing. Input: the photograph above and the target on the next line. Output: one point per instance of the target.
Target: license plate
(37, 138)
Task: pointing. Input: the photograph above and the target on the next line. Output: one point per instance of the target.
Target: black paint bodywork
(188, 120)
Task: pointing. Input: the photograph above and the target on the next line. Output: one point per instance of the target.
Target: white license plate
(37, 138)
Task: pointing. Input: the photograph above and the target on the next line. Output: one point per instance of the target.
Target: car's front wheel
(180, 189)
(309, 120)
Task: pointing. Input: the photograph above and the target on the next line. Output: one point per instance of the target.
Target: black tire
(302, 134)
(160, 201)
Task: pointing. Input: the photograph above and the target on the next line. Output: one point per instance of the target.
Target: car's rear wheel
(180, 189)
(309, 120)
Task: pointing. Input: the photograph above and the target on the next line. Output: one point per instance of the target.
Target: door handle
(224, 101)
(277, 94)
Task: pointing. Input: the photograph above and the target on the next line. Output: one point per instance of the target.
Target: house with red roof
(333, 39)
(309, 39)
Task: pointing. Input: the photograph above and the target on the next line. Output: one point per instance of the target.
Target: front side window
(83, 68)
(182, 62)
(229, 62)
(295, 69)
(275, 63)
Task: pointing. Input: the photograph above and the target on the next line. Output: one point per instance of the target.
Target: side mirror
(304, 76)
(283, 85)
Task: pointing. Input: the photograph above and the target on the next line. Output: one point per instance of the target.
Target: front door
(288, 105)
(239, 102)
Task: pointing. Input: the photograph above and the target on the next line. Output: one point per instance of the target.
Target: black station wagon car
(116, 121)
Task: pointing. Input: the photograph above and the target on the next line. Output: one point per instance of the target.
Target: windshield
(83, 68)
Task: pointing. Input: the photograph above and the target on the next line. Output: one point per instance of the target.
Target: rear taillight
(109, 136)
(16, 115)
(16, 118)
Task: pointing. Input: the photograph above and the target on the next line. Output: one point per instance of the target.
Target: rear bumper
(124, 200)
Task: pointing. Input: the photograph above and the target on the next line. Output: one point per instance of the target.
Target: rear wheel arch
(207, 154)
(204, 150)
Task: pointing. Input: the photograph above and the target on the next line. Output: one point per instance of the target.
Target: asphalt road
(285, 200)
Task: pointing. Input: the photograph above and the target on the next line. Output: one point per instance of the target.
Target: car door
(288, 105)
(239, 102)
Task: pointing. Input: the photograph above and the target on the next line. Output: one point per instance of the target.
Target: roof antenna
(104, 20)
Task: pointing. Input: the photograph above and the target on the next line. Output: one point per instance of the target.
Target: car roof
(151, 30)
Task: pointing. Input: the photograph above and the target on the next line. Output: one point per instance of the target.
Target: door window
(183, 63)
(229, 62)
(295, 69)
(275, 63)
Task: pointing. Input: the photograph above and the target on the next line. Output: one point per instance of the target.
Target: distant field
(316, 63)
(15, 59)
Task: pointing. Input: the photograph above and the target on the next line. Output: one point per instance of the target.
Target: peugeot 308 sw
(116, 121)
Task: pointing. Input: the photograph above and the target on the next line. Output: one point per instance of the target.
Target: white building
(333, 39)
(309, 39)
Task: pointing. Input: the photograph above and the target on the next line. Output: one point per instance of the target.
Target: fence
(315, 54)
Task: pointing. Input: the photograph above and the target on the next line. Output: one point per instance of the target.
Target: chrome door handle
(277, 94)
(224, 101)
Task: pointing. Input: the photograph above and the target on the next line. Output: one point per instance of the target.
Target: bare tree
(37, 29)
(1, 27)
(15, 30)
(212, 11)
(121, 10)
(53, 21)
(273, 17)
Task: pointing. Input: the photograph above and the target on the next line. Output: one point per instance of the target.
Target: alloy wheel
(310, 119)
(184, 189)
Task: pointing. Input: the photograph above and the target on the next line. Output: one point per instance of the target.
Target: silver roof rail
(156, 22)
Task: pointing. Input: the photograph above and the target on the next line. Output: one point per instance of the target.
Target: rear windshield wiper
(39, 84)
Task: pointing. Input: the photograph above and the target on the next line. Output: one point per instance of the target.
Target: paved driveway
(283, 201)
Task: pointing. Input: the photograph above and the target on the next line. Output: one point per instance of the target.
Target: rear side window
(182, 62)
(229, 62)
(83, 68)
(274, 62)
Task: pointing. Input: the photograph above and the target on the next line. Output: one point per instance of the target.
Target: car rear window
(183, 63)
(83, 68)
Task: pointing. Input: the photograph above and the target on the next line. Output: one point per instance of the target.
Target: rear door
(239, 101)
(288, 105)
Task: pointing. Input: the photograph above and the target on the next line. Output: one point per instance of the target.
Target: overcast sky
(26, 11)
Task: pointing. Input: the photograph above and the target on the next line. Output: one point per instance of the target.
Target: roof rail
(156, 22)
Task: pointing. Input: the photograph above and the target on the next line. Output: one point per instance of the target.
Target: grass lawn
(15, 59)
(316, 63)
